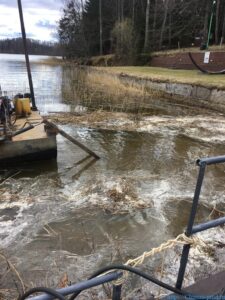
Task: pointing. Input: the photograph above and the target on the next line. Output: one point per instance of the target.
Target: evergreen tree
(71, 31)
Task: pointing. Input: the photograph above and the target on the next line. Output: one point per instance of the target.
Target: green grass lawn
(169, 75)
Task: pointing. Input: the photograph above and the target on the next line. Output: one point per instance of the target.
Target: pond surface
(77, 214)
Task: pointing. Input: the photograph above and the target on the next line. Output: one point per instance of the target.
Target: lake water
(47, 80)
(76, 214)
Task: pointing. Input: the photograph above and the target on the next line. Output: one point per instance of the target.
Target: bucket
(26, 106)
(18, 107)
(22, 106)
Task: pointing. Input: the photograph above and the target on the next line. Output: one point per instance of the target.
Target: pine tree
(71, 33)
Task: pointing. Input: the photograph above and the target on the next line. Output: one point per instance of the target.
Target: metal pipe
(211, 160)
(210, 24)
(207, 225)
(26, 55)
(84, 285)
(186, 248)
(117, 290)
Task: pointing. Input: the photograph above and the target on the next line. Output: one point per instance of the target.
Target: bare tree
(223, 26)
(133, 11)
(154, 20)
(217, 22)
(100, 28)
(146, 43)
(122, 10)
(206, 21)
(170, 28)
(118, 11)
(82, 6)
(125, 40)
(166, 6)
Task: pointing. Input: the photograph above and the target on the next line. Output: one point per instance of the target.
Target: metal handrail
(191, 229)
(81, 286)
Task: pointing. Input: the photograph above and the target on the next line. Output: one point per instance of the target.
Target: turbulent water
(77, 214)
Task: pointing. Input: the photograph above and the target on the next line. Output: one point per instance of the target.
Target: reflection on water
(66, 215)
(46, 79)
(95, 230)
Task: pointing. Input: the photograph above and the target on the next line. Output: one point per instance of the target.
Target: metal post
(117, 289)
(186, 248)
(26, 55)
(210, 25)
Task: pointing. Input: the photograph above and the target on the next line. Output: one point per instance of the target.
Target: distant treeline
(15, 46)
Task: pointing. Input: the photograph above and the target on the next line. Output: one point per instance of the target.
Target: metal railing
(74, 290)
(191, 228)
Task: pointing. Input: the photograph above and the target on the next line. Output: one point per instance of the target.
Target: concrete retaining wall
(188, 94)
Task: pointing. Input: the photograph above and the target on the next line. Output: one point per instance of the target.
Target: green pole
(210, 24)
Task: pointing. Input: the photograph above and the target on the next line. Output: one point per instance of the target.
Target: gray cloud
(40, 18)
(45, 24)
(8, 3)
(30, 35)
(48, 4)
(10, 34)
(54, 35)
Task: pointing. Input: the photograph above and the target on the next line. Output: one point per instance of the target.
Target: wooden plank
(70, 138)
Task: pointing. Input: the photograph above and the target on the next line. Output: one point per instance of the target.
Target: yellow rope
(181, 239)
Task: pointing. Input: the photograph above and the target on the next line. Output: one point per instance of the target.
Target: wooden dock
(34, 144)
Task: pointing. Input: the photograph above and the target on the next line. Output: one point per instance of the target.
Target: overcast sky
(40, 17)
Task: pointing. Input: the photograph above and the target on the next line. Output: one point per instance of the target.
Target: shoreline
(207, 97)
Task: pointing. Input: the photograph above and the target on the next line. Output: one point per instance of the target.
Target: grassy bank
(101, 90)
(50, 60)
(193, 77)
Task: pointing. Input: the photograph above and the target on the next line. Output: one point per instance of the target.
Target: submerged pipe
(26, 55)
(208, 225)
(211, 160)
